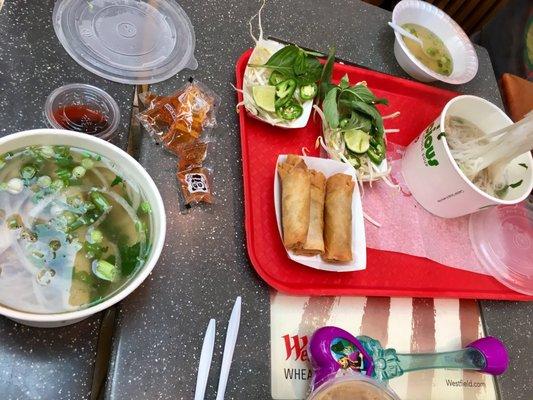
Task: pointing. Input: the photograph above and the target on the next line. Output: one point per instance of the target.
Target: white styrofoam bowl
(465, 61)
(135, 172)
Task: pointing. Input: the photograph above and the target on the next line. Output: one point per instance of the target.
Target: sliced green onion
(100, 201)
(81, 221)
(69, 217)
(105, 270)
(47, 151)
(28, 172)
(55, 245)
(14, 222)
(78, 172)
(96, 236)
(57, 184)
(87, 163)
(44, 181)
(145, 208)
(75, 201)
(15, 186)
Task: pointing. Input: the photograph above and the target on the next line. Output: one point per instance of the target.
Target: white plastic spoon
(405, 33)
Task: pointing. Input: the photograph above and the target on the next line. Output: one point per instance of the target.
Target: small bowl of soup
(447, 53)
(82, 224)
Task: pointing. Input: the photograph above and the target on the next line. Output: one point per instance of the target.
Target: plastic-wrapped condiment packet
(191, 155)
(184, 116)
(195, 184)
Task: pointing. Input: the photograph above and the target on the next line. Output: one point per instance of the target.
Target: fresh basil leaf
(331, 111)
(299, 65)
(359, 121)
(325, 78)
(362, 93)
(311, 71)
(345, 82)
(284, 57)
(369, 110)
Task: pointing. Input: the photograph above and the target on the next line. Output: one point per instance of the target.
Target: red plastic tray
(387, 273)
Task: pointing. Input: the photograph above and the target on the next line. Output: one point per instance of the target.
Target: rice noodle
(485, 157)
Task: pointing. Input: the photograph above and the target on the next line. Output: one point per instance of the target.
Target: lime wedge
(265, 97)
(357, 140)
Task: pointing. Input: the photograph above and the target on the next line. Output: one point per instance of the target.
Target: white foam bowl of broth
(134, 171)
(464, 57)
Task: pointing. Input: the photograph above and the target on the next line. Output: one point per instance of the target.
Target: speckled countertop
(204, 265)
(39, 363)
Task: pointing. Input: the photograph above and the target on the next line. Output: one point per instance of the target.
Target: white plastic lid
(502, 238)
(127, 41)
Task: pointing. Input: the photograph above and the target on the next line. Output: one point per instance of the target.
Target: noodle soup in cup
(435, 179)
(82, 225)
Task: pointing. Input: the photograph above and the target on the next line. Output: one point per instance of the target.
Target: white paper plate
(307, 106)
(329, 168)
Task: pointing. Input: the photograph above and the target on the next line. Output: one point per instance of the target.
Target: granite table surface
(204, 265)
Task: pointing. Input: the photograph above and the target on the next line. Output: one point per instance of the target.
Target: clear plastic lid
(127, 41)
(502, 238)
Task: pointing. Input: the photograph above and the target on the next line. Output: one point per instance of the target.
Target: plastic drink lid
(126, 41)
(502, 238)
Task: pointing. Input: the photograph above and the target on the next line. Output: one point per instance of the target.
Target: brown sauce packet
(195, 184)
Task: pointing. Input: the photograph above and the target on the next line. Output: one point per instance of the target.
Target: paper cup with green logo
(433, 176)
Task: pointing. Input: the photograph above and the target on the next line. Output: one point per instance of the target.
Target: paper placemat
(408, 325)
(408, 228)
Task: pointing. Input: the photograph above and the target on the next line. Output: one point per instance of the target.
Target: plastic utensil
(86, 101)
(127, 41)
(405, 33)
(502, 239)
(229, 347)
(205, 360)
(333, 349)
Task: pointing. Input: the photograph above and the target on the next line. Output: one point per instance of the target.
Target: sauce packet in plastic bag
(186, 115)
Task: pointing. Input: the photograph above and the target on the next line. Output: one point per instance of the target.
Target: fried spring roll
(295, 201)
(314, 243)
(338, 218)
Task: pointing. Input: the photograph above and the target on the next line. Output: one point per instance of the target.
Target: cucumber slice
(357, 141)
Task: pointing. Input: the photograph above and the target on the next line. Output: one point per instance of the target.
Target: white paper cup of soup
(436, 181)
(464, 57)
(133, 172)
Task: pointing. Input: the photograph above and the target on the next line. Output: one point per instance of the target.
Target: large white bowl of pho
(447, 54)
(471, 157)
(82, 224)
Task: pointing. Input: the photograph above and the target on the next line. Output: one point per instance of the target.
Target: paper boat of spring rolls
(254, 76)
(299, 189)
